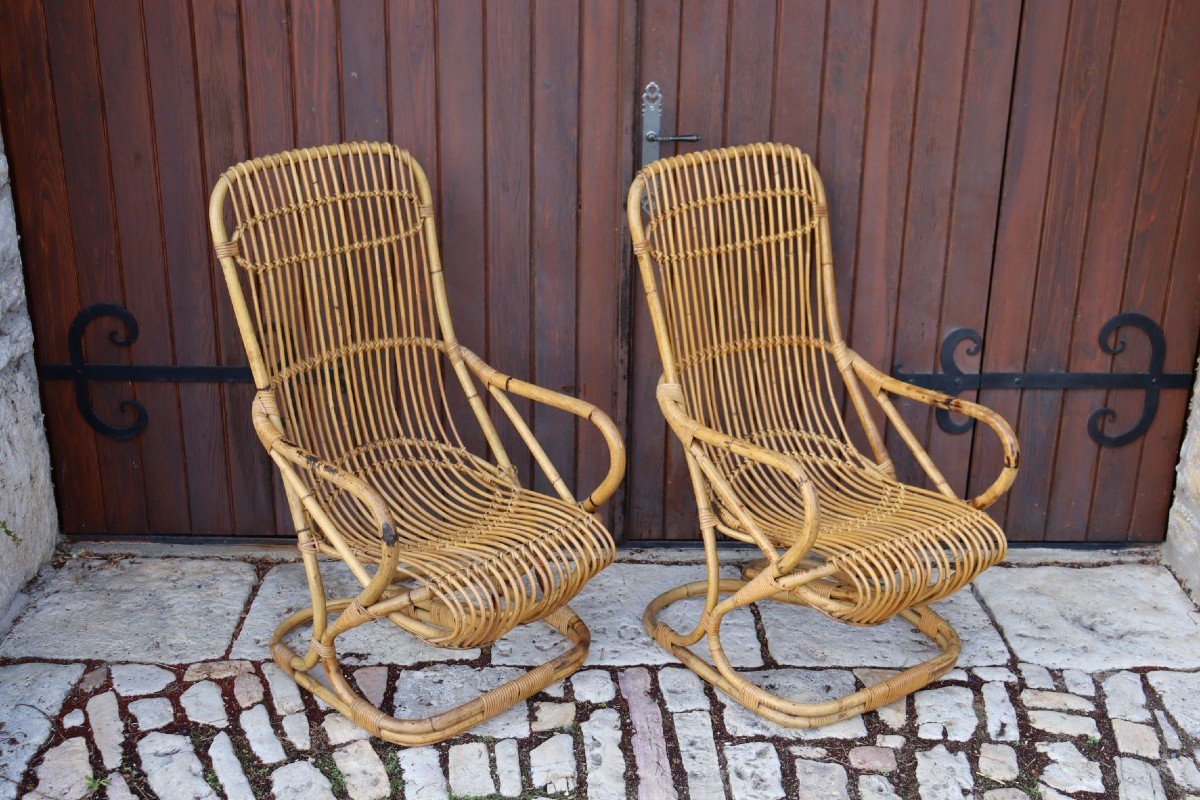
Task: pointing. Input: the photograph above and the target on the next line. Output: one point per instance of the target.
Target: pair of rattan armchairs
(331, 259)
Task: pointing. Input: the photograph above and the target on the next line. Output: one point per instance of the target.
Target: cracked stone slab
(284, 590)
(698, 748)
(946, 713)
(108, 732)
(138, 680)
(602, 750)
(434, 689)
(1069, 770)
(470, 770)
(172, 767)
(754, 771)
(228, 769)
(801, 637)
(804, 685)
(203, 703)
(508, 768)
(152, 713)
(618, 638)
(593, 686)
(366, 778)
(1179, 691)
(64, 772)
(943, 775)
(30, 696)
(300, 780)
(552, 765)
(1051, 617)
(87, 609)
(422, 772)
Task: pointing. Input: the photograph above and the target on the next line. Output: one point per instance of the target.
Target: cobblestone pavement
(145, 674)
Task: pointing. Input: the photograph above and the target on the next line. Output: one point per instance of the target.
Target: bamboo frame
(336, 282)
(734, 252)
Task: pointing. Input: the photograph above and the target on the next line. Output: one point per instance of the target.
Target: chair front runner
(331, 260)
(734, 252)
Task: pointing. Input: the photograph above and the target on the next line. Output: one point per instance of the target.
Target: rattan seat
(331, 259)
(541, 550)
(758, 384)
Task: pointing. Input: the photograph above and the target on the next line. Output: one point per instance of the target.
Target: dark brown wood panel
(1020, 169)
(118, 116)
(1024, 169)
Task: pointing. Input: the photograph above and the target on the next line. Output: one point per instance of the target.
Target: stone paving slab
(285, 590)
(618, 638)
(158, 610)
(31, 695)
(804, 638)
(1095, 618)
(1004, 726)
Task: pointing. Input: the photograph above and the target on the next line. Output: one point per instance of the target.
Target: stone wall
(28, 518)
(1182, 550)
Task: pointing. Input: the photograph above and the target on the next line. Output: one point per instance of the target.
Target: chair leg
(790, 713)
(415, 732)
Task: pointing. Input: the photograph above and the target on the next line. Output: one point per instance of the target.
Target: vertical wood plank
(659, 46)
(217, 30)
(1102, 266)
(839, 155)
(921, 263)
(462, 174)
(39, 189)
(183, 195)
(965, 297)
(1018, 233)
(799, 68)
(753, 35)
(127, 121)
(78, 98)
(704, 33)
(364, 70)
(1155, 230)
(606, 99)
(885, 177)
(509, 153)
(270, 114)
(412, 82)
(555, 222)
(315, 72)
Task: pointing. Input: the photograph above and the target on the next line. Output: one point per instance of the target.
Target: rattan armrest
(690, 430)
(500, 384)
(878, 383)
(265, 414)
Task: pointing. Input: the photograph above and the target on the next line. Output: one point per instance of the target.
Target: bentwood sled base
(331, 260)
(734, 252)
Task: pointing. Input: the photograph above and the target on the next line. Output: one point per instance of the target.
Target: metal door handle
(652, 106)
(652, 136)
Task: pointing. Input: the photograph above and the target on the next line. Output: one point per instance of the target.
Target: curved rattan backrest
(735, 256)
(331, 260)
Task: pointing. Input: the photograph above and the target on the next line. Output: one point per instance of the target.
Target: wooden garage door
(1008, 176)
(119, 115)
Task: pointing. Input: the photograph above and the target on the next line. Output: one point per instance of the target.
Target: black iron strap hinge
(952, 380)
(83, 373)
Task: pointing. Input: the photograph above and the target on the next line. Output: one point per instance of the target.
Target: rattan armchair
(331, 260)
(734, 252)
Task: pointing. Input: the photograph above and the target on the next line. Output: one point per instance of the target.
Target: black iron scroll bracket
(82, 373)
(952, 380)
